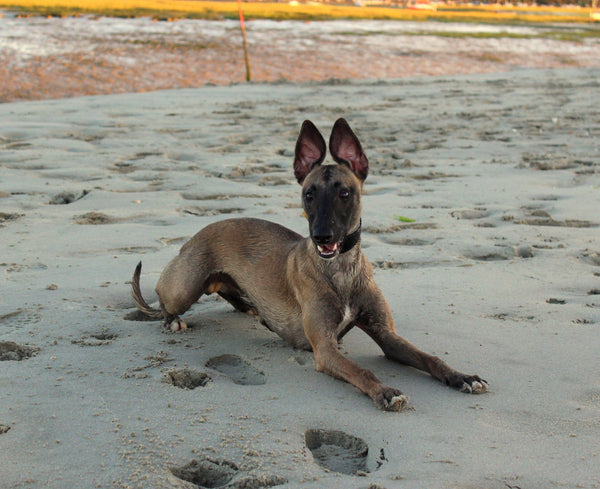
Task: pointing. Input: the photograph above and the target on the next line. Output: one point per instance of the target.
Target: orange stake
(243, 28)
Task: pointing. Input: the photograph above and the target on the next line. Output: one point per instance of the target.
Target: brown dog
(310, 291)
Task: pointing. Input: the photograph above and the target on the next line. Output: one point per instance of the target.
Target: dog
(310, 291)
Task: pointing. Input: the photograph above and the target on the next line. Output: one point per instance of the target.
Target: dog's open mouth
(328, 250)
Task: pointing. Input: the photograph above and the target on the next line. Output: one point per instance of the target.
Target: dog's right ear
(310, 150)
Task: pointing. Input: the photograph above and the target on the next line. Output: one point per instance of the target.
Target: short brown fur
(310, 291)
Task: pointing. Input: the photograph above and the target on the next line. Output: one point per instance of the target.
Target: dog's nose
(323, 238)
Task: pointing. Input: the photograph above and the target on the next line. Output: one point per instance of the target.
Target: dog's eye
(308, 196)
(344, 194)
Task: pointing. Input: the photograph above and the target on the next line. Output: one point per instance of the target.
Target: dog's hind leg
(172, 322)
(180, 285)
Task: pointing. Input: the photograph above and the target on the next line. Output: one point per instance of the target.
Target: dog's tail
(141, 304)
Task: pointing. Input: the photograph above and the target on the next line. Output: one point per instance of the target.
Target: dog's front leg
(397, 348)
(379, 325)
(329, 359)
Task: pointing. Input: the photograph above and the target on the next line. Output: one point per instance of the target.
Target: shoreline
(85, 56)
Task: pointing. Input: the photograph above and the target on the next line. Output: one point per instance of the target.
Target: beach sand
(499, 274)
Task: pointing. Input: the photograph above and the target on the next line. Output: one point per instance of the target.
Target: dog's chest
(347, 319)
(342, 276)
(343, 283)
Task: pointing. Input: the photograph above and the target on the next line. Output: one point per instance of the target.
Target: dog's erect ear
(310, 150)
(346, 149)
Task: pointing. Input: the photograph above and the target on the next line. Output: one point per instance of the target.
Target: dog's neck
(351, 239)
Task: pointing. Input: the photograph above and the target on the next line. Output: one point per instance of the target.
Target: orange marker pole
(243, 28)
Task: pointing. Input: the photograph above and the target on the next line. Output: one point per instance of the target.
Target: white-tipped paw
(471, 384)
(391, 400)
(397, 403)
(475, 387)
(177, 325)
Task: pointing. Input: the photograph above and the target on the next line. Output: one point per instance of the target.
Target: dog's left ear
(310, 150)
(346, 149)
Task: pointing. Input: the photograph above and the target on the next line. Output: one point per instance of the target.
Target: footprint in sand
(94, 218)
(65, 198)
(404, 265)
(9, 350)
(6, 216)
(394, 228)
(101, 338)
(591, 258)
(337, 451)
(136, 315)
(252, 170)
(402, 241)
(470, 214)
(206, 472)
(499, 253)
(215, 473)
(209, 197)
(20, 317)
(210, 211)
(237, 369)
(549, 161)
(540, 217)
(186, 378)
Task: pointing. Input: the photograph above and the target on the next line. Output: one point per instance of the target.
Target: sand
(499, 274)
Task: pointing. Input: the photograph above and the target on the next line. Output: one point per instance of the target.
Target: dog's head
(331, 194)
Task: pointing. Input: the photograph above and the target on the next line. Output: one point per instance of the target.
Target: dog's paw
(176, 325)
(470, 384)
(476, 386)
(390, 399)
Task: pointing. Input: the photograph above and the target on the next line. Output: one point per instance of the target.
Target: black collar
(351, 240)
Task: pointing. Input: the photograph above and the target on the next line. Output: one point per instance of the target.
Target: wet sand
(58, 58)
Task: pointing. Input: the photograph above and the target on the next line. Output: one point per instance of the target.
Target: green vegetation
(404, 219)
(572, 35)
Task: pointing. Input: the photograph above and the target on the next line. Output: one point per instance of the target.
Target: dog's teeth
(327, 251)
(331, 249)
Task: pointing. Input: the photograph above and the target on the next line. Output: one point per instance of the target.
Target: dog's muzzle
(328, 250)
